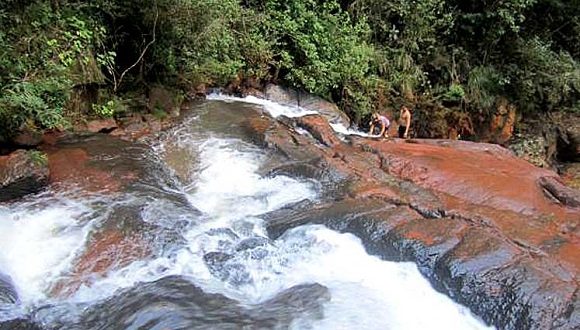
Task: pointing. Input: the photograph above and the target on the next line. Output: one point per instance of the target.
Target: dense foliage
(362, 54)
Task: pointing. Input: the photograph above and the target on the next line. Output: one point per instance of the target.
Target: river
(193, 250)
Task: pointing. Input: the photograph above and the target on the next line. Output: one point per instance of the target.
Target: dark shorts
(377, 127)
(402, 131)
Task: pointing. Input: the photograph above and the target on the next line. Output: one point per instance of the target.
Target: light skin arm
(383, 129)
(372, 128)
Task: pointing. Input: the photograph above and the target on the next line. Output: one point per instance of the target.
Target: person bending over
(379, 121)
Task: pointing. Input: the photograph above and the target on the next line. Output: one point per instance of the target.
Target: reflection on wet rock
(8, 292)
(175, 303)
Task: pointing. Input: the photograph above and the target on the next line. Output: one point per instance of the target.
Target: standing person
(381, 120)
(404, 122)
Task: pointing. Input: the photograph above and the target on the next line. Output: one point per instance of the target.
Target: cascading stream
(224, 250)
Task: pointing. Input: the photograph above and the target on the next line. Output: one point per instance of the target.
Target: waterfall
(221, 249)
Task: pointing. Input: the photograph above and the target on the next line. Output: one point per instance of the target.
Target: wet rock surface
(489, 229)
(103, 163)
(21, 173)
(19, 324)
(8, 293)
(138, 190)
(175, 303)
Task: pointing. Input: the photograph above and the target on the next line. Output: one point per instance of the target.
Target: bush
(322, 50)
(455, 92)
(483, 86)
(211, 42)
(545, 80)
(110, 108)
(46, 52)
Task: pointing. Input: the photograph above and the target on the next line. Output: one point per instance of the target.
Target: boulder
(132, 128)
(22, 172)
(550, 141)
(319, 128)
(568, 142)
(501, 126)
(562, 193)
(327, 109)
(101, 125)
(282, 95)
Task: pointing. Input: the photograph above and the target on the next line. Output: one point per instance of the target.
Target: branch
(118, 83)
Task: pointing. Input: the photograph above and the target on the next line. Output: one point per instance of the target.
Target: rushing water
(211, 264)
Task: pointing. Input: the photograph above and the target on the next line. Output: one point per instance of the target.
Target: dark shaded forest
(365, 55)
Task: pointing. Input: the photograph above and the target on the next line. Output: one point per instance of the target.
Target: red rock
(101, 125)
(557, 189)
(22, 172)
(502, 123)
(154, 123)
(84, 164)
(105, 251)
(474, 176)
(50, 138)
(319, 128)
(480, 218)
(71, 166)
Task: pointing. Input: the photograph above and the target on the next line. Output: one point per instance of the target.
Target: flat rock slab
(491, 230)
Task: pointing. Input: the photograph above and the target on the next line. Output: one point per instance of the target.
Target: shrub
(45, 53)
(544, 79)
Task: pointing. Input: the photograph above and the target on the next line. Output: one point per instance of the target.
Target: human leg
(402, 130)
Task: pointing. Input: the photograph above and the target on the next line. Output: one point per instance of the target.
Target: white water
(273, 108)
(276, 110)
(37, 242)
(230, 188)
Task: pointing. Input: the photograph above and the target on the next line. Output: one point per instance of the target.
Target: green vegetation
(362, 54)
(38, 157)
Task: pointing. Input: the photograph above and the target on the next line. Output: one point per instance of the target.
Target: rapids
(204, 259)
